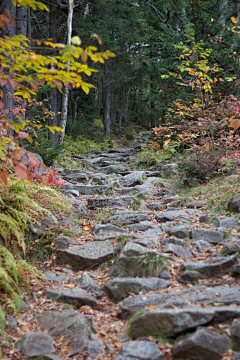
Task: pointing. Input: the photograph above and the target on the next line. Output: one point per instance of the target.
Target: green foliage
(151, 265)
(68, 232)
(136, 204)
(98, 123)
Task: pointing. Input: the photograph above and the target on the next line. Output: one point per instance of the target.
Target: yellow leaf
(151, 307)
(85, 88)
(69, 286)
(76, 40)
(234, 20)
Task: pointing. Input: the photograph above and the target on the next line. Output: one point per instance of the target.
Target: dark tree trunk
(106, 104)
(9, 31)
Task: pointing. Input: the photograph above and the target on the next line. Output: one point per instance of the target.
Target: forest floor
(154, 217)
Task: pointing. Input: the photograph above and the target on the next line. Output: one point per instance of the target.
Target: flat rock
(195, 204)
(179, 231)
(200, 245)
(177, 215)
(213, 267)
(212, 236)
(197, 295)
(141, 226)
(173, 241)
(234, 203)
(91, 190)
(119, 289)
(139, 350)
(114, 169)
(76, 296)
(87, 283)
(127, 218)
(152, 234)
(100, 229)
(179, 250)
(74, 327)
(204, 344)
(51, 276)
(124, 150)
(120, 201)
(89, 255)
(35, 344)
(63, 242)
(129, 262)
(49, 357)
(231, 247)
(154, 206)
(228, 223)
(176, 321)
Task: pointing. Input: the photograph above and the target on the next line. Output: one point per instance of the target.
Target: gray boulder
(75, 328)
(139, 350)
(173, 241)
(179, 231)
(176, 321)
(63, 242)
(234, 203)
(114, 169)
(120, 201)
(141, 226)
(119, 289)
(87, 283)
(89, 255)
(228, 223)
(91, 190)
(95, 348)
(212, 236)
(75, 296)
(35, 344)
(199, 295)
(213, 267)
(133, 179)
(132, 261)
(26, 159)
(154, 206)
(204, 344)
(11, 323)
(178, 215)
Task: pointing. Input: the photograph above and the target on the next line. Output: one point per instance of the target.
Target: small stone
(11, 322)
(24, 306)
(139, 350)
(95, 348)
(204, 344)
(57, 278)
(235, 331)
(87, 283)
(100, 229)
(195, 204)
(179, 231)
(75, 296)
(173, 241)
(228, 223)
(127, 218)
(200, 245)
(63, 242)
(35, 344)
(120, 201)
(155, 206)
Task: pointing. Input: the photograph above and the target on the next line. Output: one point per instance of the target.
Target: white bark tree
(63, 121)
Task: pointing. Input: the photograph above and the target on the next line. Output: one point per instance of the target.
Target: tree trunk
(66, 88)
(9, 31)
(53, 98)
(223, 11)
(106, 104)
(21, 21)
(238, 11)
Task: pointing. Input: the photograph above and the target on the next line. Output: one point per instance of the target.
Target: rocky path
(141, 279)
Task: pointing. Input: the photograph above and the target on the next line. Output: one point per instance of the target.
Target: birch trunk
(106, 105)
(66, 88)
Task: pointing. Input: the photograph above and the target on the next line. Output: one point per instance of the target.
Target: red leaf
(13, 83)
(41, 82)
(17, 155)
(58, 83)
(3, 176)
(23, 135)
(3, 82)
(32, 161)
(22, 272)
(21, 171)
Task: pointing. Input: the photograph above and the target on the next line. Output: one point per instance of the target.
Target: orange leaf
(21, 171)
(34, 85)
(3, 82)
(84, 57)
(3, 176)
(58, 83)
(86, 227)
(17, 155)
(22, 272)
(151, 307)
(1, 105)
